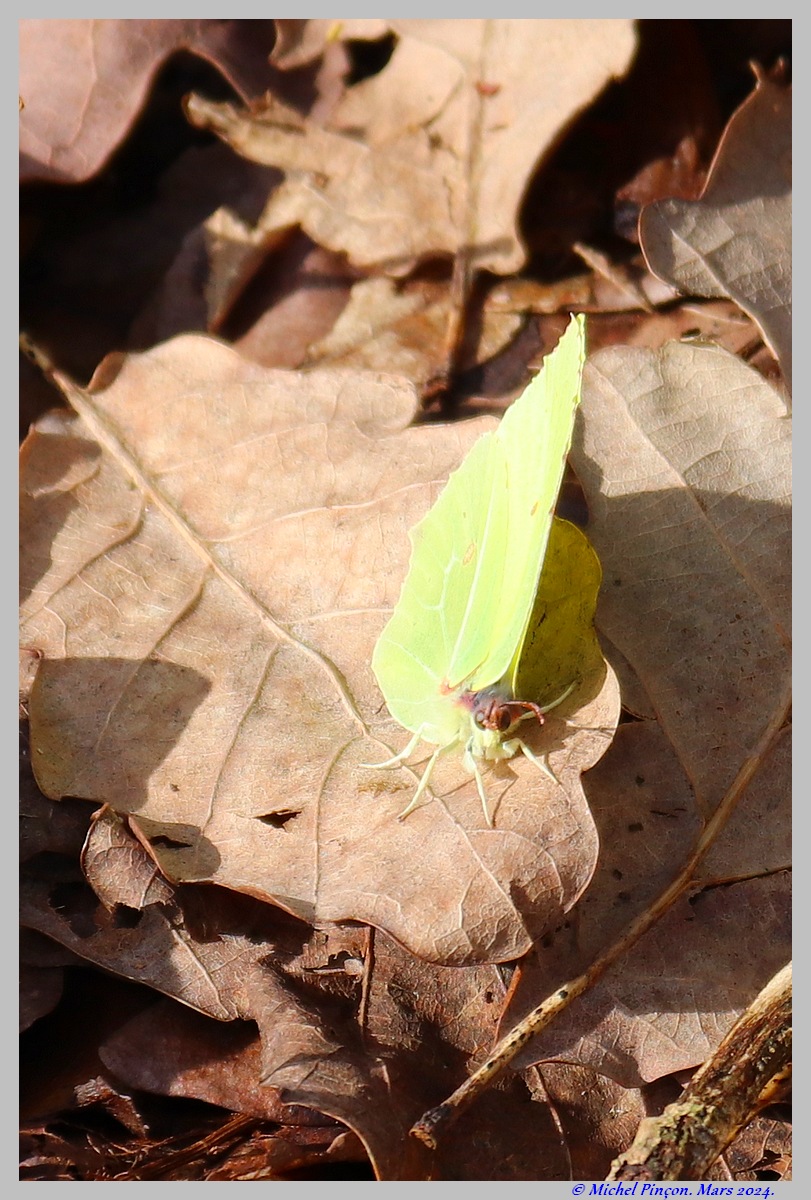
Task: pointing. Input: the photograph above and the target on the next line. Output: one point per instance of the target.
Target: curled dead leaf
(443, 162)
(736, 240)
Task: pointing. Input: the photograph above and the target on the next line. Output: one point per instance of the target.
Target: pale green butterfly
(447, 660)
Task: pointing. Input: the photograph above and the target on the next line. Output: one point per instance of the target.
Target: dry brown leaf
(295, 299)
(677, 993)
(207, 582)
(684, 458)
(718, 321)
(433, 154)
(117, 869)
(403, 331)
(186, 267)
(204, 948)
(83, 82)
(156, 949)
(351, 1026)
(758, 839)
(599, 1117)
(736, 240)
(762, 1150)
(424, 1022)
(40, 992)
(173, 1051)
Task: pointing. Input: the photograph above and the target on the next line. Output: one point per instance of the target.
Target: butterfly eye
(503, 720)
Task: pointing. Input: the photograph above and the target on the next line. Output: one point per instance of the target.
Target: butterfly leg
(422, 785)
(470, 764)
(400, 758)
(515, 744)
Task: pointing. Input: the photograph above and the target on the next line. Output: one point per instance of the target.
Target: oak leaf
(736, 239)
(432, 155)
(214, 549)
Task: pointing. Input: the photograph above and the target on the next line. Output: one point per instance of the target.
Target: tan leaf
(763, 1145)
(736, 240)
(434, 153)
(83, 82)
(221, 561)
(689, 966)
(684, 458)
(675, 995)
(758, 838)
(403, 331)
(207, 948)
(117, 868)
(599, 1117)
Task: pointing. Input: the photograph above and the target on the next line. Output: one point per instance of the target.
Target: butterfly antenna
(548, 707)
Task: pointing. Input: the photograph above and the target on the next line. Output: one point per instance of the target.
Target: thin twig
(464, 272)
(366, 979)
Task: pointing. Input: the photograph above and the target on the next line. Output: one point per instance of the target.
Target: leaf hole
(125, 917)
(368, 58)
(278, 820)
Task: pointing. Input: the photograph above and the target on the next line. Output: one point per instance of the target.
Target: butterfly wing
(477, 555)
(535, 434)
(449, 545)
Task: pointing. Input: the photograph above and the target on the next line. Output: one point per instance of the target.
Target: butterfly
(447, 661)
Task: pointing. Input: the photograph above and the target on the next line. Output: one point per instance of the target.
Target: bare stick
(431, 1125)
(464, 271)
(722, 1096)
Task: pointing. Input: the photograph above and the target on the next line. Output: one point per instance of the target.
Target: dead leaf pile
(215, 530)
